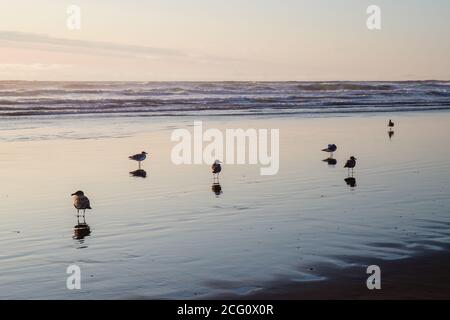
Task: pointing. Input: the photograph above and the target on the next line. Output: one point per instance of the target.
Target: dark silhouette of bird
(351, 163)
(391, 124)
(330, 161)
(80, 202)
(139, 173)
(216, 168)
(216, 188)
(330, 149)
(350, 182)
(139, 157)
(391, 134)
(81, 230)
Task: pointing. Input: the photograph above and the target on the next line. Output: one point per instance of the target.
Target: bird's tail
(89, 207)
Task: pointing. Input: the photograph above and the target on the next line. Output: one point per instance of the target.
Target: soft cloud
(48, 43)
(29, 56)
(9, 67)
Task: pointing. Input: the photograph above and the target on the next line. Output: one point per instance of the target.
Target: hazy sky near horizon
(224, 40)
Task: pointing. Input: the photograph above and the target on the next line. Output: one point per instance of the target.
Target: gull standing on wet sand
(350, 164)
(331, 148)
(80, 202)
(216, 168)
(139, 157)
(391, 131)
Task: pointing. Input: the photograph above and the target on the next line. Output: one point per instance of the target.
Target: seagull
(350, 164)
(216, 168)
(80, 201)
(390, 124)
(139, 157)
(331, 148)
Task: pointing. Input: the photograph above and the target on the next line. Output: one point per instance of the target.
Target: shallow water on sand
(169, 236)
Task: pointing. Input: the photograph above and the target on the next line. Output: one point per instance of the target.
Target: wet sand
(425, 276)
(303, 233)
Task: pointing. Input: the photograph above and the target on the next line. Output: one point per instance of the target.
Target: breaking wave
(22, 99)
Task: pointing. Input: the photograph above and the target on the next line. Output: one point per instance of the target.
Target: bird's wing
(347, 164)
(85, 203)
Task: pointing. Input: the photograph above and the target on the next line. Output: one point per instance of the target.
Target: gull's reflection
(216, 188)
(82, 229)
(391, 134)
(139, 173)
(330, 161)
(351, 181)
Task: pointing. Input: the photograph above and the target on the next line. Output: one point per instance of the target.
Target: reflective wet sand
(174, 234)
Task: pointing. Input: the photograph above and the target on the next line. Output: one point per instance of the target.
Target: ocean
(94, 99)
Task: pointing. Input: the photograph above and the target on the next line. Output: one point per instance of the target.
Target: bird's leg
(139, 165)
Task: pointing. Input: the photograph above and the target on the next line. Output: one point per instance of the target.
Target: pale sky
(159, 40)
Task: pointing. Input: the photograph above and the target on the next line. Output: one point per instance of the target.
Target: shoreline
(115, 116)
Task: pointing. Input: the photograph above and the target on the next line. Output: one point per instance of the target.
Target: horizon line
(222, 81)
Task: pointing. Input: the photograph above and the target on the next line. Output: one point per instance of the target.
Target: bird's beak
(72, 194)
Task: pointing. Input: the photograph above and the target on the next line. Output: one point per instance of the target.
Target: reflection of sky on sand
(168, 235)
